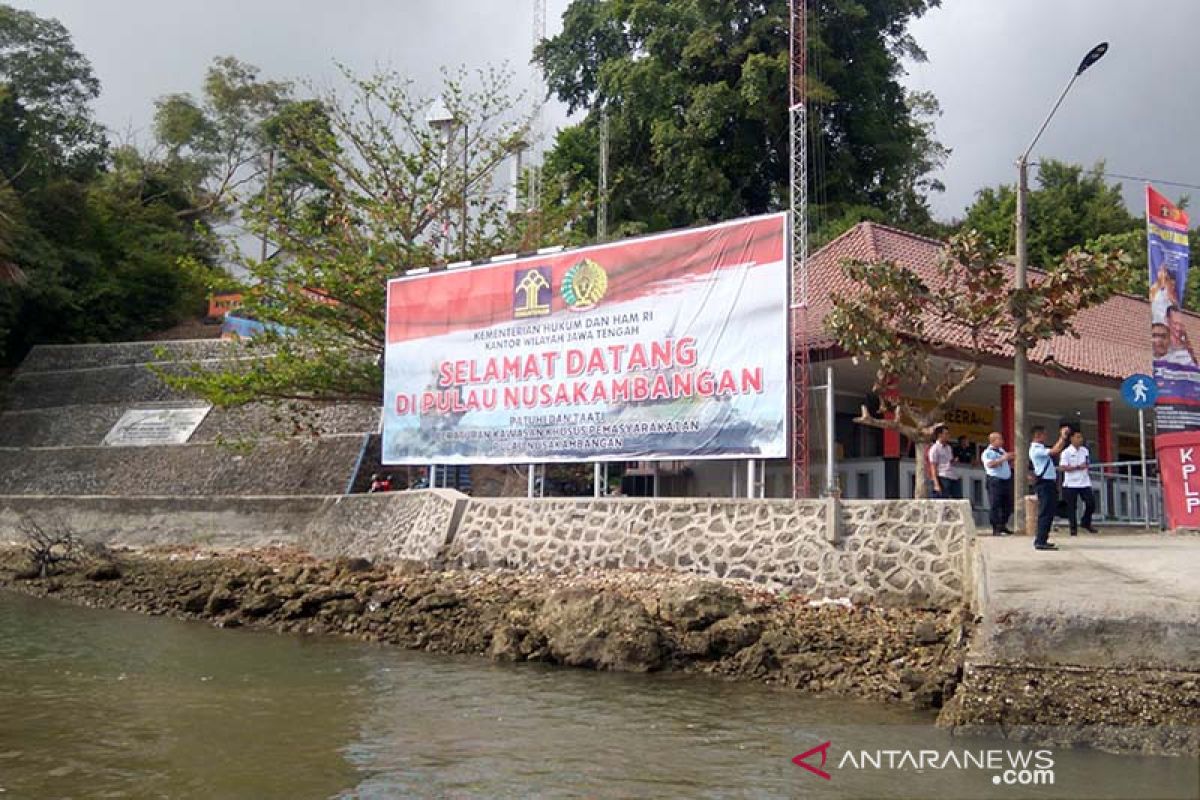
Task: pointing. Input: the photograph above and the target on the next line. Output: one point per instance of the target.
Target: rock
(220, 601)
(27, 574)
(260, 605)
(107, 571)
(732, 634)
(406, 567)
(508, 643)
(926, 633)
(911, 679)
(602, 630)
(695, 606)
(195, 602)
(346, 566)
(438, 600)
(347, 607)
(756, 661)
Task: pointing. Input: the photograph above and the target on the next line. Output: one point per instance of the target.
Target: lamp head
(1093, 55)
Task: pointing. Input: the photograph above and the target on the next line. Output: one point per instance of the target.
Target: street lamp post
(443, 121)
(1020, 357)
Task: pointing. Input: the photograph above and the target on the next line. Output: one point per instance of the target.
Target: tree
(367, 190)
(217, 148)
(697, 94)
(55, 87)
(1069, 207)
(914, 329)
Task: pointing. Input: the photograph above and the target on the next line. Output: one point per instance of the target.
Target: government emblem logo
(584, 285)
(531, 292)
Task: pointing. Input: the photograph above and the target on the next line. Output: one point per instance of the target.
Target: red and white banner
(671, 346)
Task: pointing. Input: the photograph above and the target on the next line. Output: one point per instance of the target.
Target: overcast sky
(996, 67)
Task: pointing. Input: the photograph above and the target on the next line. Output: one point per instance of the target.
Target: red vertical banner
(1179, 466)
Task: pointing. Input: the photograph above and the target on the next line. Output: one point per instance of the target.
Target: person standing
(964, 451)
(1077, 483)
(1045, 481)
(997, 463)
(943, 471)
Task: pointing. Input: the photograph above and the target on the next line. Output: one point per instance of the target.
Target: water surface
(97, 703)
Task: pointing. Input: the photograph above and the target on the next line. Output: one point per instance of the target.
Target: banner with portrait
(1175, 368)
(1177, 409)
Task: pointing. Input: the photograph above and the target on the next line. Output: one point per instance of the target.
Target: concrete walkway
(1107, 600)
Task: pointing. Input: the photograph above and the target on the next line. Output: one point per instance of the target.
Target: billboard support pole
(596, 479)
(831, 486)
(750, 478)
(529, 486)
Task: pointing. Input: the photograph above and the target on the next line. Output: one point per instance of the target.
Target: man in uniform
(1045, 481)
(997, 463)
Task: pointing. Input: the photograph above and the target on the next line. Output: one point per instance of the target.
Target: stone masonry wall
(899, 552)
(389, 526)
(890, 551)
(296, 466)
(54, 357)
(87, 425)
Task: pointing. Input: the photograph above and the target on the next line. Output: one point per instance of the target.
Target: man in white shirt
(1077, 483)
(943, 472)
(997, 463)
(1045, 481)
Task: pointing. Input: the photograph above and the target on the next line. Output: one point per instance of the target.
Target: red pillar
(1105, 434)
(1008, 415)
(891, 437)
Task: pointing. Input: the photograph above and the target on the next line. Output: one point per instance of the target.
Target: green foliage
(364, 189)
(1069, 207)
(217, 146)
(929, 338)
(54, 87)
(697, 95)
(94, 233)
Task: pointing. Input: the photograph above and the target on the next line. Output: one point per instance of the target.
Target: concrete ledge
(1109, 601)
(214, 521)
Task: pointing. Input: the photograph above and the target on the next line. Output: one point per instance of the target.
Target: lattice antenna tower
(798, 176)
(602, 200)
(533, 202)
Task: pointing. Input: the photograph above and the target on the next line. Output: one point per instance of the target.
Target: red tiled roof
(1114, 338)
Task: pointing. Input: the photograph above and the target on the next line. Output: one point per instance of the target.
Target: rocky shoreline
(642, 621)
(609, 620)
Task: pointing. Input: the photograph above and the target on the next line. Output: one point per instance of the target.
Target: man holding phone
(1045, 481)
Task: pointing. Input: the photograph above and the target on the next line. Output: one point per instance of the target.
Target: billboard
(1177, 409)
(670, 346)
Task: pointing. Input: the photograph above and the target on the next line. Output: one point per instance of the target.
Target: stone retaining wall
(294, 466)
(888, 551)
(209, 521)
(87, 425)
(388, 527)
(898, 552)
(126, 384)
(54, 357)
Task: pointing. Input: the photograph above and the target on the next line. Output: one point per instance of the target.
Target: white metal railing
(1124, 495)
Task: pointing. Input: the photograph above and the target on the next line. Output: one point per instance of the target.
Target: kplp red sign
(1179, 470)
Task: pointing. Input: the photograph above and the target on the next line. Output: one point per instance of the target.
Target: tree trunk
(921, 486)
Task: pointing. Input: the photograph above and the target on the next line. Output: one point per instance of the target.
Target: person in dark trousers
(997, 463)
(1077, 483)
(943, 471)
(1045, 481)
